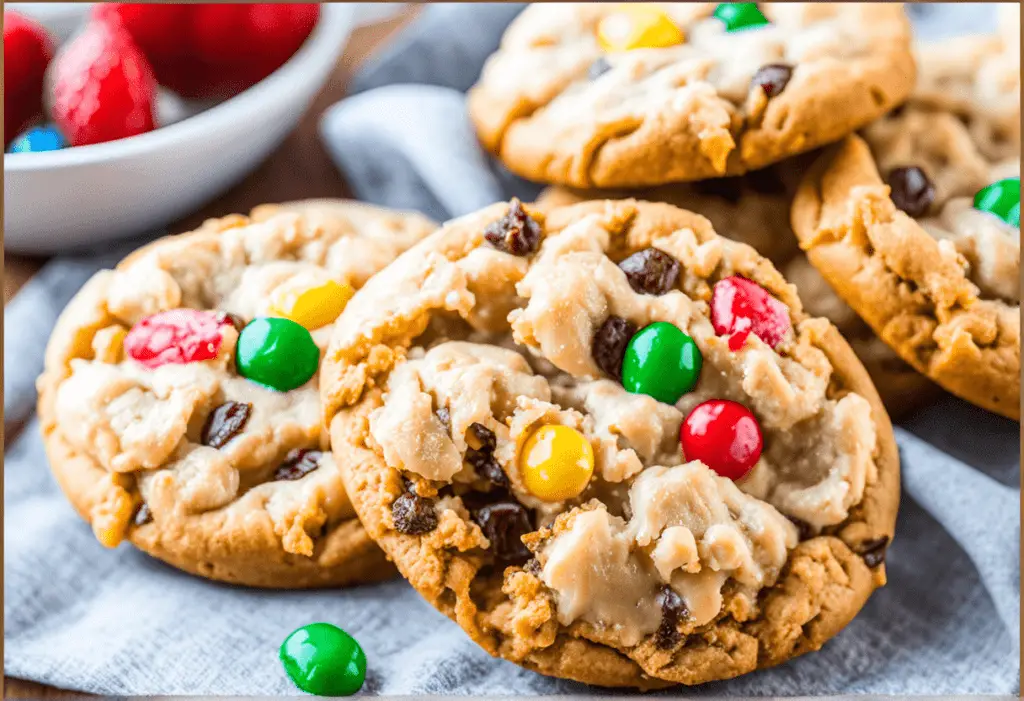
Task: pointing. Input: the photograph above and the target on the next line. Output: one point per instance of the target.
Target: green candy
(740, 15)
(324, 660)
(277, 353)
(1001, 198)
(662, 362)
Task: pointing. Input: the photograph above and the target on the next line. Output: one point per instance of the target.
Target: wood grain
(299, 168)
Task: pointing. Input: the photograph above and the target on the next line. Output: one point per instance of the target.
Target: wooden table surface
(299, 168)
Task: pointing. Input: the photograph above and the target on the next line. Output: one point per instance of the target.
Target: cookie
(598, 95)
(179, 403)
(476, 394)
(754, 209)
(916, 226)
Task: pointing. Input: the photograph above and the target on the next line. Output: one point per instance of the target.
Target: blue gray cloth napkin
(81, 617)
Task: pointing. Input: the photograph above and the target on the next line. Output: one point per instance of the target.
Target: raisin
(651, 272)
(224, 423)
(873, 551)
(516, 232)
(911, 190)
(673, 610)
(482, 458)
(610, 343)
(598, 68)
(445, 418)
(413, 515)
(772, 78)
(297, 464)
(143, 515)
(505, 523)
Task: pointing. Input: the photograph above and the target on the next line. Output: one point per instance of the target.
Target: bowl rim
(335, 21)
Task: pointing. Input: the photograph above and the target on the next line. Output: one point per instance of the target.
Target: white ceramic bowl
(60, 200)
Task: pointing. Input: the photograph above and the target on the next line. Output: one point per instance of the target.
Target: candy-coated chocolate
(324, 660)
(724, 435)
(39, 139)
(556, 463)
(638, 26)
(661, 361)
(1001, 198)
(740, 307)
(315, 306)
(740, 15)
(175, 336)
(277, 353)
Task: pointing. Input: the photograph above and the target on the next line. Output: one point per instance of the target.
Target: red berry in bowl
(740, 307)
(724, 435)
(103, 87)
(27, 51)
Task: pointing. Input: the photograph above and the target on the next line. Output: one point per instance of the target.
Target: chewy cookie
(754, 209)
(610, 444)
(917, 226)
(639, 94)
(179, 401)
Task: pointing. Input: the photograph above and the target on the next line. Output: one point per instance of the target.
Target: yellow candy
(312, 307)
(638, 26)
(556, 463)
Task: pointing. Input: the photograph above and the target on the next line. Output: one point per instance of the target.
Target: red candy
(740, 307)
(27, 51)
(103, 87)
(723, 435)
(176, 336)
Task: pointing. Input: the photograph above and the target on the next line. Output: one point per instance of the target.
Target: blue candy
(37, 139)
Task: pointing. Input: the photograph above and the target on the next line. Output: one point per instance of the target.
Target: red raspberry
(214, 50)
(175, 336)
(27, 51)
(103, 87)
(723, 435)
(740, 307)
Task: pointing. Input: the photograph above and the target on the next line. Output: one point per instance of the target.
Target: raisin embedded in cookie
(917, 224)
(754, 209)
(623, 455)
(639, 94)
(179, 402)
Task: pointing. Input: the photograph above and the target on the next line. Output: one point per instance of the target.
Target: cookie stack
(635, 433)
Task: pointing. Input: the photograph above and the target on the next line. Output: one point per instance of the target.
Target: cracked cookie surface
(689, 100)
(490, 446)
(890, 221)
(156, 437)
(754, 209)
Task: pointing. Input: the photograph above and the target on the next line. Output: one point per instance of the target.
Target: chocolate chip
(505, 523)
(413, 515)
(598, 68)
(224, 423)
(297, 464)
(673, 610)
(445, 418)
(651, 272)
(911, 190)
(516, 232)
(610, 343)
(873, 551)
(482, 459)
(235, 320)
(772, 78)
(143, 515)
